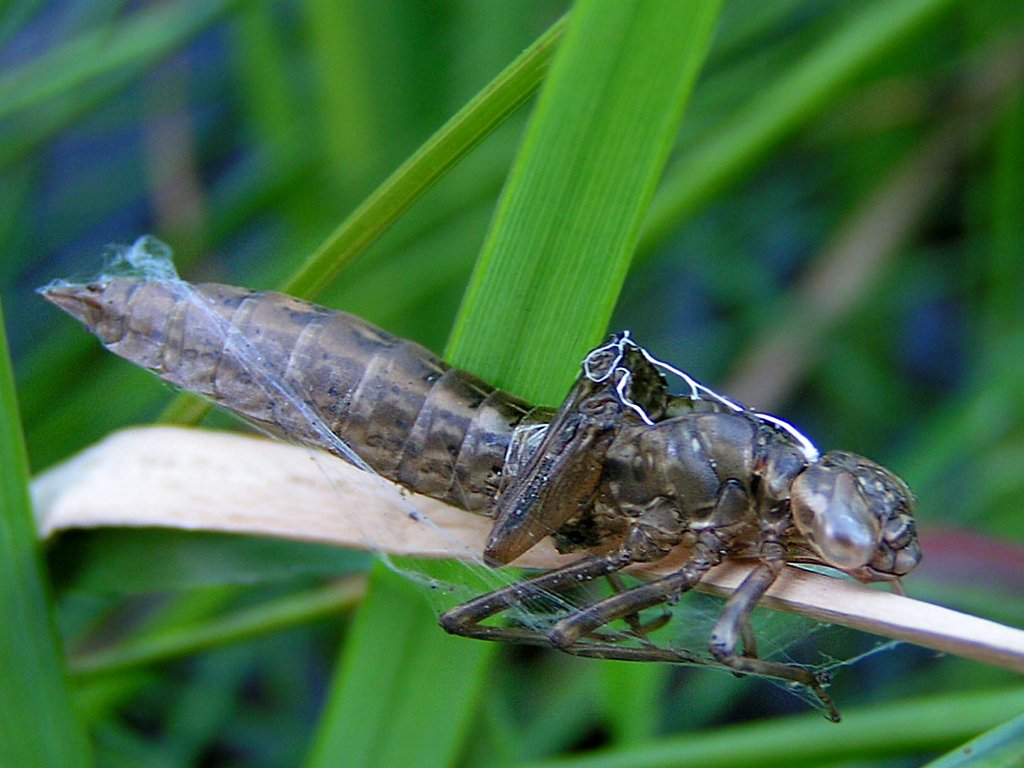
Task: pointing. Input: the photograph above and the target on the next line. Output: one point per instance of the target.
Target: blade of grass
(35, 129)
(99, 696)
(1006, 198)
(789, 101)
(262, 74)
(174, 642)
(908, 727)
(402, 692)
(38, 726)
(551, 269)
(468, 127)
(513, 86)
(345, 99)
(997, 748)
(632, 694)
(137, 43)
(105, 561)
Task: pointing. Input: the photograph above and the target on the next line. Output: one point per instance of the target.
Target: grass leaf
(38, 726)
(425, 167)
(789, 101)
(137, 42)
(893, 730)
(403, 692)
(557, 253)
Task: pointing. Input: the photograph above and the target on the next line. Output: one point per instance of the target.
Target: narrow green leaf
(33, 130)
(105, 561)
(38, 726)
(401, 694)
(425, 167)
(1002, 747)
(551, 269)
(345, 99)
(632, 695)
(136, 42)
(175, 641)
(513, 86)
(789, 101)
(262, 74)
(1006, 199)
(100, 695)
(909, 727)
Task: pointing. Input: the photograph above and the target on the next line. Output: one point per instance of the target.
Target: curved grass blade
(385, 707)
(440, 153)
(997, 748)
(424, 168)
(789, 101)
(565, 229)
(38, 725)
(911, 727)
(136, 42)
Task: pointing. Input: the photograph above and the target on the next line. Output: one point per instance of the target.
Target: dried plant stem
(215, 481)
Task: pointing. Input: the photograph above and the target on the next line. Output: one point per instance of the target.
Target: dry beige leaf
(217, 481)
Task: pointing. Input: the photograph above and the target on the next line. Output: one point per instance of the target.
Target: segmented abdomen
(296, 368)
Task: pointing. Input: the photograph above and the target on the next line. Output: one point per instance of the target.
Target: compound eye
(831, 512)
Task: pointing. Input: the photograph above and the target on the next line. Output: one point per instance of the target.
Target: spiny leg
(620, 605)
(638, 628)
(465, 619)
(615, 652)
(734, 625)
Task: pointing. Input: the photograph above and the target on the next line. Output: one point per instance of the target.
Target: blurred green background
(839, 237)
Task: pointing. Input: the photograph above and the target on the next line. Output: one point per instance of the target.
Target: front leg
(734, 625)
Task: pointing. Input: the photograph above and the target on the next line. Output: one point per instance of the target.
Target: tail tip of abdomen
(82, 302)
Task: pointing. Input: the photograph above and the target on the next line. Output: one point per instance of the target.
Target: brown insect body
(622, 470)
(292, 368)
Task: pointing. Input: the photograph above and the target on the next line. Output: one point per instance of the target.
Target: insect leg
(614, 652)
(465, 619)
(734, 625)
(623, 604)
(638, 628)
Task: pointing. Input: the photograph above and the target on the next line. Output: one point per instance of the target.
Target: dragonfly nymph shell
(623, 471)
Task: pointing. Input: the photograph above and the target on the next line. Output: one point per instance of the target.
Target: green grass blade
(403, 692)
(262, 75)
(910, 727)
(1001, 747)
(632, 693)
(384, 713)
(345, 98)
(551, 269)
(136, 42)
(788, 101)
(175, 642)
(38, 726)
(30, 131)
(425, 167)
(1006, 201)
